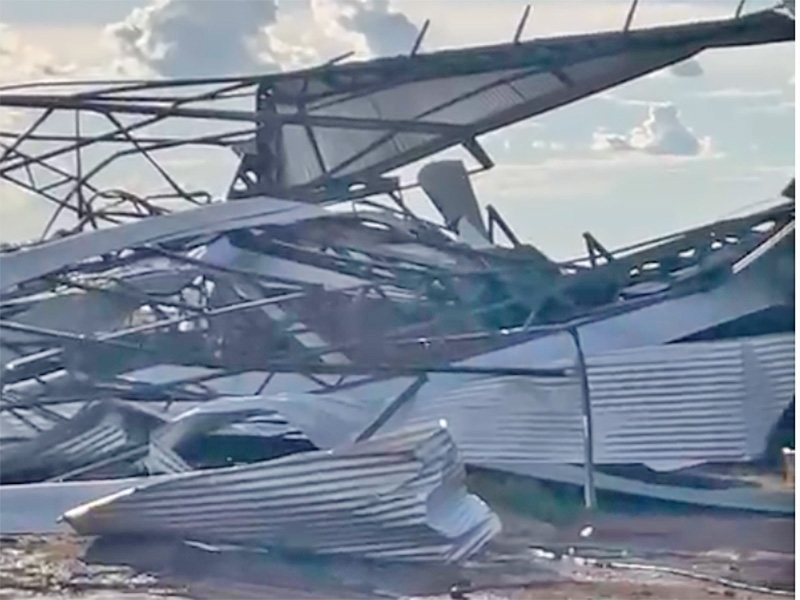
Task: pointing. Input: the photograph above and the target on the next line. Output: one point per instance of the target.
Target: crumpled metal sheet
(325, 420)
(99, 432)
(399, 496)
(30, 263)
(481, 89)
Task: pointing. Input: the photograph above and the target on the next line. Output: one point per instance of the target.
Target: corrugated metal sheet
(326, 421)
(163, 460)
(507, 419)
(399, 496)
(684, 403)
(21, 422)
(770, 361)
(665, 406)
(222, 252)
(651, 325)
(30, 263)
(98, 432)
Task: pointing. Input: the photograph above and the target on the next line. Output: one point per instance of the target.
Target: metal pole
(521, 25)
(588, 444)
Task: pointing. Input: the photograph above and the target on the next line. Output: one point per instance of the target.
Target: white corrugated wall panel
(510, 419)
(666, 406)
(669, 404)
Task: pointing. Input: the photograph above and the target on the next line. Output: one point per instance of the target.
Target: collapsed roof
(359, 331)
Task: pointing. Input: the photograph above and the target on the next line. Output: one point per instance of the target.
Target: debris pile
(279, 373)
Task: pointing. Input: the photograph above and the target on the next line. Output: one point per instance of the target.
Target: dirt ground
(759, 551)
(548, 551)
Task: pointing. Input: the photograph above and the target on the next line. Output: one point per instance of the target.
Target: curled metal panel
(399, 496)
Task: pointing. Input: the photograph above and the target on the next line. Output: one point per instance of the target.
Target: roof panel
(546, 74)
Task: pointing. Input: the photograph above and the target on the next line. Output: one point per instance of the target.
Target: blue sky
(696, 147)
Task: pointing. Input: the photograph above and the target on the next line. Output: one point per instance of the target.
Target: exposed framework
(151, 306)
(408, 302)
(329, 133)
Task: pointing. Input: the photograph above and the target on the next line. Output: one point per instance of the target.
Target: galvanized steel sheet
(665, 406)
(400, 496)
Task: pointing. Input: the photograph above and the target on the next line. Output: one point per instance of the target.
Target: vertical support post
(589, 495)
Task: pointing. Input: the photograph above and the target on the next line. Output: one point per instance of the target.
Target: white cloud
(662, 133)
(22, 216)
(186, 38)
(784, 108)
(22, 60)
(547, 145)
(305, 32)
(181, 38)
(737, 93)
(382, 30)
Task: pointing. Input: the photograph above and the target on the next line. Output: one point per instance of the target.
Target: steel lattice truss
(330, 133)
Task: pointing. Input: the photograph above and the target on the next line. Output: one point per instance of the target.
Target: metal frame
(132, 109)
(398, 337)
(447, 326)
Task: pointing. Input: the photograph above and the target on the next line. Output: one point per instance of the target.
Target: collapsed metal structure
(329, 133)
(164, 332)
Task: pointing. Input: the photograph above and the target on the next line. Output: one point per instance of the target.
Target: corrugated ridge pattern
(671, 403)
(776, 355)
(511, 419)
(80, 442)
(659, 405)
(772, 358)
(369, 499)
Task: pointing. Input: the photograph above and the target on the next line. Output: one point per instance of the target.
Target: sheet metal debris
(400, 496)
(284, 363)
(665, 406)
(102, 434)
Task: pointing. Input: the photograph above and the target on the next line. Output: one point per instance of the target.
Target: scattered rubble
(296, 391)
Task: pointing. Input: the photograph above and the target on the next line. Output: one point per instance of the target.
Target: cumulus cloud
(185, 38)
(384, 31)
(20, 60)
(189, 38)
(662, 133)
(741, 93)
